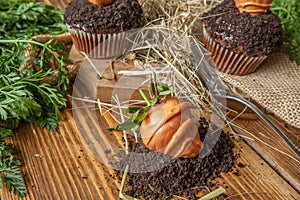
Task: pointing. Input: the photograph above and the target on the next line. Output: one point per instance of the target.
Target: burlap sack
(275, 86)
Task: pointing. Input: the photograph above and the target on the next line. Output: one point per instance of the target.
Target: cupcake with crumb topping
(241, 34)
(91, 22)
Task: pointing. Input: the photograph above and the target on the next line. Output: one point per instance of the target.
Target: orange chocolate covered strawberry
(166, 124)
(170, 128)
(253, 7)
(101, 2)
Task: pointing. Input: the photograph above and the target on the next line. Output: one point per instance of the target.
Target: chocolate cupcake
(98, 27)
(241, 34)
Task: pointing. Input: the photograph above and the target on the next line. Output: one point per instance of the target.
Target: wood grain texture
(266, 143)
(60, 4)
(57, 165)
(62, 165)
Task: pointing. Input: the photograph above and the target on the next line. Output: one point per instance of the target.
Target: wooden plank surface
(60, 4)
(60, 165)
(257, 134)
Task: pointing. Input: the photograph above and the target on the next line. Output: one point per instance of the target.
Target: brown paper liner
(228, 61)
(98, 45)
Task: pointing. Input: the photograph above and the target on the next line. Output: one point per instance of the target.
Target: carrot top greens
(289, 13)
(24, 95)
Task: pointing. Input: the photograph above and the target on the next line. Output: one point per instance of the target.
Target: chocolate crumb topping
(121, 15)
(243, 33)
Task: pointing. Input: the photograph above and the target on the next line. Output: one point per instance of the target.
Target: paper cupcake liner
(99, 46)
(228, 61)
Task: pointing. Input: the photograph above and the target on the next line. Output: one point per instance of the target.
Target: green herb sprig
(25, 18)
(10, 173)
(24, 94)
(289, 14)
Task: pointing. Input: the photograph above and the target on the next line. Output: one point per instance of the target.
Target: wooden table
(58, 165)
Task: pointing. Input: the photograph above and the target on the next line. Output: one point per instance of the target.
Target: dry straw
(178, 15)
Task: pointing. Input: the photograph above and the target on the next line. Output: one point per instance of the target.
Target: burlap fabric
(275, 86)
